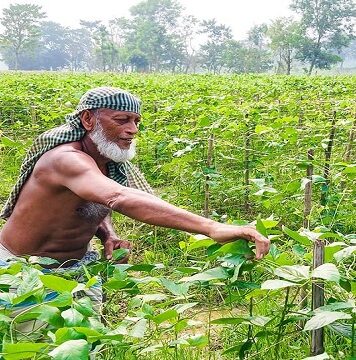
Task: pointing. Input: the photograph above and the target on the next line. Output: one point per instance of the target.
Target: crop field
(275, 151)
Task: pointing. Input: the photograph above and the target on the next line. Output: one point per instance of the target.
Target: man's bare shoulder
(66, 159)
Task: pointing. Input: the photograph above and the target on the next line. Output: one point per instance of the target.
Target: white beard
(108, 148)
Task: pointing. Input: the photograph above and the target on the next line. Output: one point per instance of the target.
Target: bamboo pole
(247, 165)
(306, 221)
(317, 343)
(308, 191)
(324, 194)
(208, 165)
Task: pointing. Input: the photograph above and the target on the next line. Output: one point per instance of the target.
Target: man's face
(114, 133)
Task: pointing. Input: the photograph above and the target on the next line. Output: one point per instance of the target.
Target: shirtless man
(68, 196)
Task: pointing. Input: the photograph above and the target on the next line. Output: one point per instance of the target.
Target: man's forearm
(152, 210)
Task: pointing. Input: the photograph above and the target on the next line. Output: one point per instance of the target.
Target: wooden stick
(208, 165)
(317, 343)
(247, 164)
(328, 150)
(308, 190)
(306, 222)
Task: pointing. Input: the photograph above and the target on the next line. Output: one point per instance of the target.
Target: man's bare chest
(92, 212)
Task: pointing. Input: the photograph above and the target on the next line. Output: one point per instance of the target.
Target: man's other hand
(112, 244)
(224, 233)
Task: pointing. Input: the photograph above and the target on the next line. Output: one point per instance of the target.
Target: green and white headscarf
(103, 97)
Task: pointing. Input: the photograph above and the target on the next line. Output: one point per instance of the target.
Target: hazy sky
(240, 15)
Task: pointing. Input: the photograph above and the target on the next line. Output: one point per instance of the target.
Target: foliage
(159, 36)
(285, 35)
(185, 296)
(327, 27)
(20, 22)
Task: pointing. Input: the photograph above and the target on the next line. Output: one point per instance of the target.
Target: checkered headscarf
(103, 97)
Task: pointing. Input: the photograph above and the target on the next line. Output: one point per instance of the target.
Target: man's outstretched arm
(79, 173)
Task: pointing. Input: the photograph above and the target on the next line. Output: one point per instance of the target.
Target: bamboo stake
(317, 343)
(208, 165)
(247, 165)
(328, 150)
(308, 191)
(306, 221)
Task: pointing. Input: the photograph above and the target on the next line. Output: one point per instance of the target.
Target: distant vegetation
(159, 37)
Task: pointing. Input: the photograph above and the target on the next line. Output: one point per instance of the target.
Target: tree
(211, 53)
(21, 23)
(188, 29)
(285, 37)
(327, 26)
(153, 34)
(255, 54)
(256, 36)
(79, 49)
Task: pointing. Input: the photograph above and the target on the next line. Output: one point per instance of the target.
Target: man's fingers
(108, 249)
(262, 247)
(123, 244)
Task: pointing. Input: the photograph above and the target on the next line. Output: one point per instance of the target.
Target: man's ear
(88, 120)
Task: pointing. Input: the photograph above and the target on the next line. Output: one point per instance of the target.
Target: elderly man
(77, 173)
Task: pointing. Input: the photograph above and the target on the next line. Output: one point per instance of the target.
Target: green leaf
(180, 308)
(84, 305)
(276, 284)
(42, 260)
(350, 169)
(324, 318)
(43, 312)
(338, 306)
(344, 253)
(188, 270)
(119, 254)
(200, 243)
(261, 228)
(327, 271)
(294, 273)
(142, 267)
(239, 247)
(57, 283)
(269, 223)
(72, 317)
(19, 299)
(211, 274)
(198, 340)
(152, 297)
(138, 330)
(175, 289)
(71, 350)
(166, 315)
(317, 179)
(297, 237)
(62, 300)
(67, 333)
(91, 334)
(331, 249)
(21, 350)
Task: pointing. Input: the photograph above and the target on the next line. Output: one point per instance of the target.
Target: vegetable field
(275, 151)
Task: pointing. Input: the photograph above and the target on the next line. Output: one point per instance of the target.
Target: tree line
(159, 37)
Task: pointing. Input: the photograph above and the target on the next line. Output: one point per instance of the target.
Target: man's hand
(224, 233)
(112, 244)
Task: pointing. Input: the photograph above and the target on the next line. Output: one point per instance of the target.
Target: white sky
(240, 15)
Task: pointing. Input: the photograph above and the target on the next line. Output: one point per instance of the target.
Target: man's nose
(132, 127)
